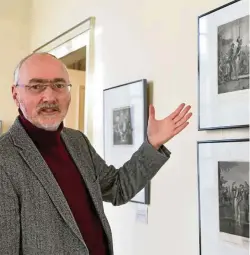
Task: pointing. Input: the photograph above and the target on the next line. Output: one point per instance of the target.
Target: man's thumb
(151, 112)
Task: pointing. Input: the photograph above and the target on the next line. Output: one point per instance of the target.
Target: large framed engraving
(223, 181)
(125, 125)
(223, 67)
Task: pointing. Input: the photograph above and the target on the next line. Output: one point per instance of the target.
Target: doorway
(76, 65)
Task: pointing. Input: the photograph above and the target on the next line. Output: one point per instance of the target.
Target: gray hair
(18, 67)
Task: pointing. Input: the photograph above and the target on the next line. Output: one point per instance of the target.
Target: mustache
(48, 106)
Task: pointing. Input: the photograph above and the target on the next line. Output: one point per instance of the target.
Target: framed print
(125, 125)
(223, 185)
(223, 67)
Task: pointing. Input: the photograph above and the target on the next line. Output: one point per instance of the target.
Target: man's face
(45, 108)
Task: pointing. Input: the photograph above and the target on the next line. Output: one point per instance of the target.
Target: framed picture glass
(223, 67)
(223, 178)
(125, 125)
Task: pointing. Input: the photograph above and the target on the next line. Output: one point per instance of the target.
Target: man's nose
(49, 94)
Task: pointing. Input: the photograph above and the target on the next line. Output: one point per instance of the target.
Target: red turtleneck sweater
(53, 150)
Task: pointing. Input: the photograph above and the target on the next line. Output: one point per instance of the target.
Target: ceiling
(76, 59)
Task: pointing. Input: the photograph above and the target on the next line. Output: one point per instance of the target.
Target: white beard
(48, 127)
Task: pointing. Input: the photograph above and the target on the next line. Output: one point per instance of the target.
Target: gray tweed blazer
(35, 218)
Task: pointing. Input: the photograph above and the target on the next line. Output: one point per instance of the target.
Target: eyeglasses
(37, 88)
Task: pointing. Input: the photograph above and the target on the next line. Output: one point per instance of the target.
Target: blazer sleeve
(120, 185)
(9, 217)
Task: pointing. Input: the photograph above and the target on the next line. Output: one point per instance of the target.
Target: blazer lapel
(37, 164)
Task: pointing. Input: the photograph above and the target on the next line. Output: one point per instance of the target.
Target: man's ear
(14, 94)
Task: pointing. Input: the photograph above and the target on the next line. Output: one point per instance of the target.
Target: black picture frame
(142, 97)
(232, 248)
(218, 107)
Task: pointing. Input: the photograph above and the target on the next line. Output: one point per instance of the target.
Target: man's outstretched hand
(161, 131)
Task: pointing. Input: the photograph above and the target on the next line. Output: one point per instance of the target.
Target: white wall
(14, 44)
(146, 39)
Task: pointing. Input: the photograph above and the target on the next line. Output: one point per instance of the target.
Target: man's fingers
(177, 111)
(183, 119)
(180, 128)
(182, 114)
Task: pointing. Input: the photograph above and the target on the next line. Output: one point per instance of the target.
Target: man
(52, 181)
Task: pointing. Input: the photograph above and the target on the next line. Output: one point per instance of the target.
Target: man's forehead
(43, 67)
(42, 60)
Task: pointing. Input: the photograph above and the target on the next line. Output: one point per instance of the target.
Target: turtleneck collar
(41, 137)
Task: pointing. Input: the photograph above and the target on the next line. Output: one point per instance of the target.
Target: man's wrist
(154, 144)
